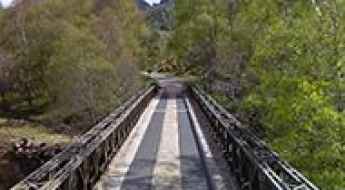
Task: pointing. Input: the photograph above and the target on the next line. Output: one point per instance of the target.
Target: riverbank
(13, 166)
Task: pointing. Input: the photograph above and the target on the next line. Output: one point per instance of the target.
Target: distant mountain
(143, 5)
(160, 14)
(164, 2)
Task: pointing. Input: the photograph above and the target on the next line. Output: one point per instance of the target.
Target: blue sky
(6, 2)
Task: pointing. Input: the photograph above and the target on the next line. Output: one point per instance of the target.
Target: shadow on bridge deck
(162, 151)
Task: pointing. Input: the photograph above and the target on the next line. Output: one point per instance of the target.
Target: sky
(153, 1)
(6, 3)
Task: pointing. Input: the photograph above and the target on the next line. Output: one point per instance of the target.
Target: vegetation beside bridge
(278, 65)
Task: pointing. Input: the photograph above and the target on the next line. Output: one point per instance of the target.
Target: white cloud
(6, 3)
(151, 2)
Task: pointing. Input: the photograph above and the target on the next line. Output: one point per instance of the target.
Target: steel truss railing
(251, 161)
(81, 164)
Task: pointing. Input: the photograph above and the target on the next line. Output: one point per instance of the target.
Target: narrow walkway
(161, 152)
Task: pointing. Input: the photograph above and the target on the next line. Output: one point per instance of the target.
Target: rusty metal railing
(80, 164)
(251, 161)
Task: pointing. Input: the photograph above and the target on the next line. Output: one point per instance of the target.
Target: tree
(283, 60)
(69, 57)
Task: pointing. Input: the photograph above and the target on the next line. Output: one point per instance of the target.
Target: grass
(12, 131)
(11, 171)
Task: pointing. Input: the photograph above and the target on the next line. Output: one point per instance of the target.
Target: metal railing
(251, 161)
(80, 164)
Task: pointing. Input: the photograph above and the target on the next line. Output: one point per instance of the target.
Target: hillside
(160, 16)
(143, 5)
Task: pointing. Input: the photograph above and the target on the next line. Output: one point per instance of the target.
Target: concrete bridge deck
(165, 150)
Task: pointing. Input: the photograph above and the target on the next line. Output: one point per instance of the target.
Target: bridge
(168, 136)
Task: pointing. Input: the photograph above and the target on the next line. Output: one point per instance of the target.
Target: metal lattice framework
(81, 164)
(251, 161)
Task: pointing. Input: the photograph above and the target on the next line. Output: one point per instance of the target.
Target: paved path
(162, 151)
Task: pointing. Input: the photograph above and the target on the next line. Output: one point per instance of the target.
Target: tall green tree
(283, 64)
(72, 59)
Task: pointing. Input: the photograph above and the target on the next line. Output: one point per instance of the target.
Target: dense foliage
(280, 66)
(69, 61)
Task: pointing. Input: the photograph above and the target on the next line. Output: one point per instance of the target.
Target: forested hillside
(69, 61)
(279, 66)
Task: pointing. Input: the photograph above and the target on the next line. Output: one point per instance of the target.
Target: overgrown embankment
(24, 146)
